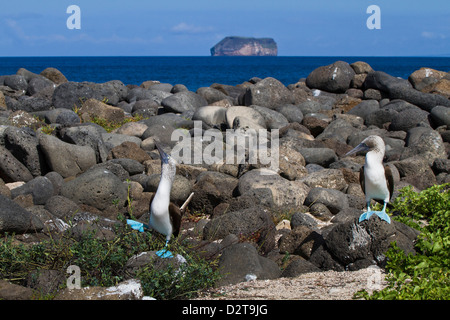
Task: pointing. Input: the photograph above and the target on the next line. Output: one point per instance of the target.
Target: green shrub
(424, 275)
(176, 283)
(102, 262)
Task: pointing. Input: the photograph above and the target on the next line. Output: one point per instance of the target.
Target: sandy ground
(329, 285)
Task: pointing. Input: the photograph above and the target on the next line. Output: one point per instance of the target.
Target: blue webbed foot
(381, 214)
(366, 215)
(164, 253)
(136, 225)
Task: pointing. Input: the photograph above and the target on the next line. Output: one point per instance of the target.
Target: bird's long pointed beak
(358, 148)
(163, 155)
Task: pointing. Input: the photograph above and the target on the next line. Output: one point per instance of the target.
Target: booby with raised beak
(375, 178)
(165, 217)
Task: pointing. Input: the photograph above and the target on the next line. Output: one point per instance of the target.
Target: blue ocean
(196, 72)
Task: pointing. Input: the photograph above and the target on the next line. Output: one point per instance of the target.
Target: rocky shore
(63, 167)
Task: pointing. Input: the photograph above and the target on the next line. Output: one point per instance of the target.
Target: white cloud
(17, 30)
(184, 27)
(432, 35)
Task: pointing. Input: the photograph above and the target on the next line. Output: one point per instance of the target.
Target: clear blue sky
(192, 27)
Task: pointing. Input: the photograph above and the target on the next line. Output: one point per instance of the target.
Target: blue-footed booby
(376, 179)
(165, 217)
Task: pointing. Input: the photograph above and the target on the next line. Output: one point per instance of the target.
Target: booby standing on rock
(376, 180)
(165, 217)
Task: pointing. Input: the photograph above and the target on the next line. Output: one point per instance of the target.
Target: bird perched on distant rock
(165, 217)
(376, 179)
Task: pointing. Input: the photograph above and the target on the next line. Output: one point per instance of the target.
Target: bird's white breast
(159, 209)
(375, 180)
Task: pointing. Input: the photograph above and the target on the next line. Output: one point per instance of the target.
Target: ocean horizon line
(219, 57)
(202, 71)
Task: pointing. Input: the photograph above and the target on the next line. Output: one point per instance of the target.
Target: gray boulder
(425, 142)
(245, 112)
(23, 144)
(211, 115)
(98, 188)
(86, 136)
(384, 82)
(299, 267)
(113, 140)
(16, 82)
(61, 207)
(41, 188)
(212, 95)
(32, 104)
(183, 101)
(291, 112)
(57, 181)
(130, 165)
(326, 178)
(303, 219)
(211, 189)
(407, 119)
(441, 116)
(278, 191)
(365, 108)
(73, 94)
(335, 77)
(334, 200)
(11, 169)
(416, 171)
(163, 133)
(61, 116)
(15, 219)
(300, 241)
(38, 84)
(401, 89)
(241, 262)
(138, 94)
(310, 106)
(65, 158)
(115, 168)
(338, 129)
(269, 93)
(252, 224)
(274, 119)
(380, 117)
(355, 244)
(321, 156)
(178, 88)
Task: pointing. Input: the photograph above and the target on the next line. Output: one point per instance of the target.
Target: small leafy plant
(102, 262)
(425, 274)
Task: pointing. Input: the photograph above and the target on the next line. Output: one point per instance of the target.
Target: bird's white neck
(161, 200)
(374, 158)
(163, 191)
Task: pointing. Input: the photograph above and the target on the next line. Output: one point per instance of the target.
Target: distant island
(245, 46)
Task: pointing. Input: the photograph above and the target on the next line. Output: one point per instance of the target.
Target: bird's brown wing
(389, 179)
(175, 217)
(361, 179)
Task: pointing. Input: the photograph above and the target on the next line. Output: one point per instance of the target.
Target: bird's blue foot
(136, 225)
(164, 253)
(382, 214)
